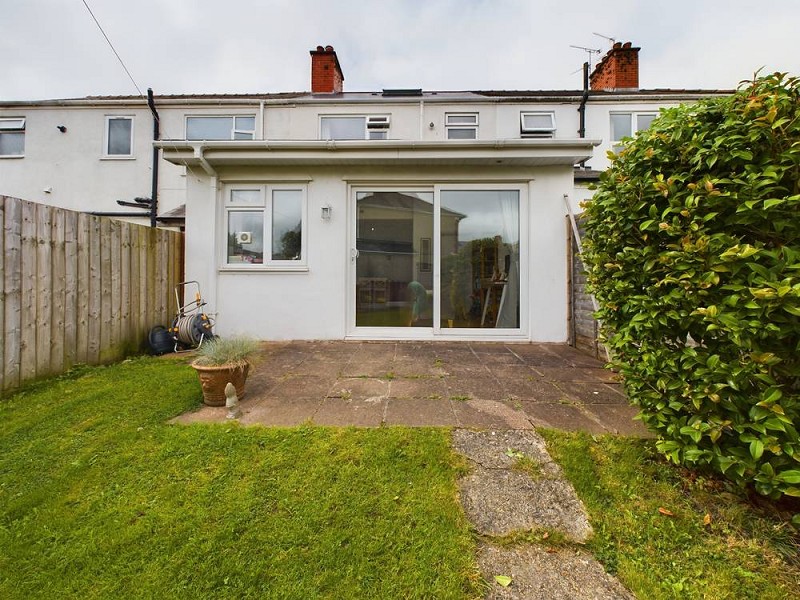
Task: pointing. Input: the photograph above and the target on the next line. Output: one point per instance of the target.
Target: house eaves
(522, 152)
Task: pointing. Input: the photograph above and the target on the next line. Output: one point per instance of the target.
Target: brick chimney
(326, 74)
(617, 70)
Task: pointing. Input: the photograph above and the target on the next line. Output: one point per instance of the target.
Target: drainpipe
(156, 137)
(584, 100)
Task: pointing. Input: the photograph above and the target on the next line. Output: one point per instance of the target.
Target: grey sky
(53, 49)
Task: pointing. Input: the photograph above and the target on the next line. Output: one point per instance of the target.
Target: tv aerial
(605, 37)
(588, 51)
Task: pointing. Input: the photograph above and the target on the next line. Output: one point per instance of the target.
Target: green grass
(100, 498)
(741, 553)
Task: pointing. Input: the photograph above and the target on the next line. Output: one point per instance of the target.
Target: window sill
(12, 156)
(264, 269)
(117, 158)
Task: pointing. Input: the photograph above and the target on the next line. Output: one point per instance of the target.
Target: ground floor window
(445, 258)
(265, 225)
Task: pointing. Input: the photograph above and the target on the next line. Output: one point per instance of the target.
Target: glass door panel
(479, 259)
(394, 259)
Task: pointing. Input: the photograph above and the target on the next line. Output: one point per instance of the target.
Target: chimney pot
(328, 48)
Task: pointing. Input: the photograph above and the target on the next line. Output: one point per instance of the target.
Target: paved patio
(456, 384)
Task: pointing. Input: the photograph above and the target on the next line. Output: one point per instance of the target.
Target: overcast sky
(53, 49)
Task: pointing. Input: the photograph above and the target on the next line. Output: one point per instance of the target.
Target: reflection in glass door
(394, 259)
(480, 250)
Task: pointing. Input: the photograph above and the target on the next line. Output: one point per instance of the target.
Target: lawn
(100, 498)
(668, 533)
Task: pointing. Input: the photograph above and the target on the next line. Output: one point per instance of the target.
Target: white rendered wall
(314, 304)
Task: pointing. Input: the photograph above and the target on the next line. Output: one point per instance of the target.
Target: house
(394, 214)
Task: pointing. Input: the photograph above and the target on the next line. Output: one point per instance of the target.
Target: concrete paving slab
(561, 416)
(415, 367)
(618, 418)
(488, 414)
(341, 412)
(420, 412)
(533, 389)
(579, 374)
(539, 573)
(359, 388)
(593, 393)
(490, 449)
(423, 387)
(279, 411)
(302, 386)
(484, 388)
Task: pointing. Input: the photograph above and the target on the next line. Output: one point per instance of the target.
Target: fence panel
(78, 288)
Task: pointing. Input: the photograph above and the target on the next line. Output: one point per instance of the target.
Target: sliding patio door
(394, 259)
(445, 262)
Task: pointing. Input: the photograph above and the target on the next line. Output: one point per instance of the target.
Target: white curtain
(507, 314)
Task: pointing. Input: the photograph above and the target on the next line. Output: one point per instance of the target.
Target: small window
(119, 136)
(378, 127)
(372, 127)
(537, 124)
(625, 125)
(12, 137)
(265, 225)
(461, 126)
(221, 128)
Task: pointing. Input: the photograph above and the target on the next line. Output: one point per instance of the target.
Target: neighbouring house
(393, 214)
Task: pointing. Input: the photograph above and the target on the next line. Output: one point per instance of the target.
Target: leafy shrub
(693, 252)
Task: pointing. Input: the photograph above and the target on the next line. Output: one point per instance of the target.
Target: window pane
(462, 134)
(643, 121)
(119, 136)
(480, 259)
(620, 126)
(537, 121)
(287, 224)
(209, 128)
(343, 128)
(246, 197)
(245, 237)
(12, 123)
(394, 278)
(378, 135)
(245, 124)
(462, 119)
(12, 144)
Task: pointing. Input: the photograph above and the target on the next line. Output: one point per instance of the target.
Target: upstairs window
(12, 136)
(461, 126)
(626, 124)
(537, 124)
(373, 127)
(119, 136)
(221, 128)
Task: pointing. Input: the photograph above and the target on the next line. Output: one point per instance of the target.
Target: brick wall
(619, 69)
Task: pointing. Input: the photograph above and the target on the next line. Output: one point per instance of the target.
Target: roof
(378, 97)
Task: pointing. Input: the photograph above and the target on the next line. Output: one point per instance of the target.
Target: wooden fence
(78, 288)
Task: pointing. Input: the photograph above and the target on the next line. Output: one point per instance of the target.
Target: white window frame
(376, 127)
(264, 205)
(451, 124)
(633, 114)
(7, 125)
(537, 132)
(106, 136)
(233, 130)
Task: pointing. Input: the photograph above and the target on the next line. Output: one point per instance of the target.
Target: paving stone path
(501, 498)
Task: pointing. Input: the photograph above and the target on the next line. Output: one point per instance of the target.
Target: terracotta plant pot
(214, 379)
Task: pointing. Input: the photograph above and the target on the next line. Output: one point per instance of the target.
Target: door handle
(354, 253)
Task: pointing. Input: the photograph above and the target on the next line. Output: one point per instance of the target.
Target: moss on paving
(100, 498)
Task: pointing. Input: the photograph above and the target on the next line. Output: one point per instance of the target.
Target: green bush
(693, 252)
